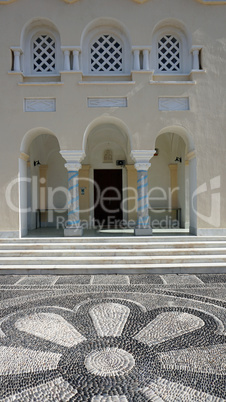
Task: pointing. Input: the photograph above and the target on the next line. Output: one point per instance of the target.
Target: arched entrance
(43, 181)
(107, 149)
(172, 181)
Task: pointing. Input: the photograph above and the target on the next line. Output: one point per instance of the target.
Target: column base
(73, 232)
(143, 232)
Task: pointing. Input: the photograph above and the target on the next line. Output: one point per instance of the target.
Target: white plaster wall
(159, 174)
(57, 181)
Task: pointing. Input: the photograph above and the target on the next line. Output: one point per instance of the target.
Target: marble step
(118, 239)
(144, 252)
(124, 246)
(70, 269)
(108, 260)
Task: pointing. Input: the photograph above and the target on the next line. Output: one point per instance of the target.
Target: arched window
(106, 54)
(169, 53)
(170, 49)
(43, 54)
(106, 49)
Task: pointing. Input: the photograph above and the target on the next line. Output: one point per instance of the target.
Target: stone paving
(118, 338)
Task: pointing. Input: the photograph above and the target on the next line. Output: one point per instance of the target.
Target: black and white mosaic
(121, 344)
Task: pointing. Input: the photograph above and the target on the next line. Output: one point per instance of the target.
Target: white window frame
(96, 33)
(122, 56)
(185, 55)
(27, 60)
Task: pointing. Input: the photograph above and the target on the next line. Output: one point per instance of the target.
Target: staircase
(155, 254)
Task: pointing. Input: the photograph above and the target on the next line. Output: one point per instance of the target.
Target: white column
(67, 60)
(73, 194)
(16, 59)
(23, 183)
(195, 58)
(143, 220)
(136, 55)
(146, 66)
(75, 60)
(142, 165)
(73, 159)
(191, 157)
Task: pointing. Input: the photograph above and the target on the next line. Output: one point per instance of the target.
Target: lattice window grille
(44, 54)
(106, 54)
(169, 54)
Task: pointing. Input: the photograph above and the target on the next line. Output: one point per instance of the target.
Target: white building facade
(112, 114)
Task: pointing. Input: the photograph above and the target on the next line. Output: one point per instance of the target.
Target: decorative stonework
(142, 156)
(187, 366)
(168, 325)
(73, 156)
(169, 54)
(55, 390)
(40, 105)
(14, 360)
(52, 327)
(109, 318)
(107, 102)
(108, 398)
(108, 156)
(106, 54)
(206, 360)
(44, 54)
(173, 104)
(109, 362)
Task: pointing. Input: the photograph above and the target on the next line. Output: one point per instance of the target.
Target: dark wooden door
(108, 198)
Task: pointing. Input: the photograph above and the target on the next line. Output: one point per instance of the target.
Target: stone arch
(176, 157)
(109, 121)
(31, 135)
(182, 132)
(39, 144)
(107, 135)
(106, 26)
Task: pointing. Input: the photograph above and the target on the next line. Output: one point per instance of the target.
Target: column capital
(16, 49)
(142, 166)
(142, 156)
(73, 156)
(73, 167)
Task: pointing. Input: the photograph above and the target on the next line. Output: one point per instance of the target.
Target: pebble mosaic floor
(115, 338)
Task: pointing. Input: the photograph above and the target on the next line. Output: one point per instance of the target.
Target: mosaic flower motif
(112, 350)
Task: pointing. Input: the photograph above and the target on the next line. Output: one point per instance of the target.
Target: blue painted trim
(70, 188)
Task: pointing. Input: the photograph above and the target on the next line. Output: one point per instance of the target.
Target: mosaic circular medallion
(109, 362)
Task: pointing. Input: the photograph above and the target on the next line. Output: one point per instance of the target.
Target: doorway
(108, 197)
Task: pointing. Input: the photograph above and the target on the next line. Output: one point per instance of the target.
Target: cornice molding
(73, 156)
